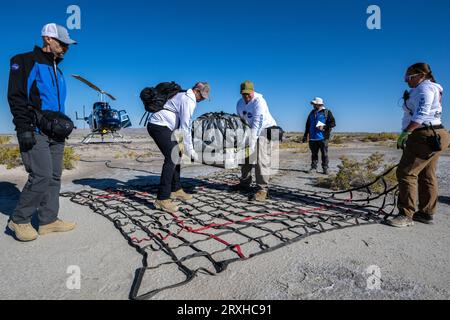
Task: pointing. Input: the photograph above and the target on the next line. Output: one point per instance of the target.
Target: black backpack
(155, 98)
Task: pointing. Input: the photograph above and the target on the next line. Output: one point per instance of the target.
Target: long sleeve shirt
(256, 115)
(424, 105)
(177, 115)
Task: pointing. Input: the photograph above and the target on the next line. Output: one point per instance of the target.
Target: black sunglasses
(62, 44)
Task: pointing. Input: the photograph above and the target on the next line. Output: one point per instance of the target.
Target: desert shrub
(337, 140)
(289, 145)
(70, 158)
(302, 148)
(377, 137)
(126, 155)
(10, 157)
(295, 147)
(5, 139)
(353, 174)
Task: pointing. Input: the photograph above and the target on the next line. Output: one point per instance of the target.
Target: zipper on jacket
(51, 75)
(57, 85)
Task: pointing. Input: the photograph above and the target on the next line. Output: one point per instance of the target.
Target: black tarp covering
(219, 131)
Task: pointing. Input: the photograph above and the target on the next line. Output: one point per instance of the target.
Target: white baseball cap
(56, 31)
(318, 101)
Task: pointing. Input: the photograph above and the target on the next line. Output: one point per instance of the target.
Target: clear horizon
(292, 51)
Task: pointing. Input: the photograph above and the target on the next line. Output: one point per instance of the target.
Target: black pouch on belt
(275, 132)
(434, 141)
(54, 124)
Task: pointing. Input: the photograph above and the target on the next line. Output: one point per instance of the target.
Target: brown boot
(166, 205)
(401, 221)
(181, 195)
(261, 195)
(57, 226)
(23, 232)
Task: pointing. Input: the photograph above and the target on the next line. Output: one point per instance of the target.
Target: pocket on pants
(418, 146)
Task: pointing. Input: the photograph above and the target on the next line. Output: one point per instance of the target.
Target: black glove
(305, 139)
(26, 140)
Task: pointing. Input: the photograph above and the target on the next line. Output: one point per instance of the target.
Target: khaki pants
(263, 166)
(416, 173)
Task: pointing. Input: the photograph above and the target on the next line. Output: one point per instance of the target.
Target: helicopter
(104, 120)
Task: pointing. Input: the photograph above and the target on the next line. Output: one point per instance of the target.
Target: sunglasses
(409, 78)
(62, 44)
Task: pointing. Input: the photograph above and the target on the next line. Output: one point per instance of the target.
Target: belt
(434, 127)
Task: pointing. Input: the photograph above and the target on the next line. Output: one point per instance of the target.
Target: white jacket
(256, 114)
(178, 115)
(424, 105)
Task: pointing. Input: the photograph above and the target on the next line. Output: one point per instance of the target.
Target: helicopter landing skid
(116, 138)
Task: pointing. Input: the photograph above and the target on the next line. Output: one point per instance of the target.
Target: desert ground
(412, 263)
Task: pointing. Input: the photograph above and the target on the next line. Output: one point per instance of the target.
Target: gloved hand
(401, 142)
(247, 152)
(305, 139)
(27, 140)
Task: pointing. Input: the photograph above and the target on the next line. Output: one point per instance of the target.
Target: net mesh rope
(220, 226)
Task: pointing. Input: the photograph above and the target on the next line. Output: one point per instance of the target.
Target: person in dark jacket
(36, 83)
(318, 128)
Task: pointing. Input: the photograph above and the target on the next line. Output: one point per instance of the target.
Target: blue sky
(292, 51)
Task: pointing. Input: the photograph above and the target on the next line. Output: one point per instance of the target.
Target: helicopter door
(124, 119)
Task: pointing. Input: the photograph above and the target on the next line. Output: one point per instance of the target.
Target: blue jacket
(325, 116)
(35, 81)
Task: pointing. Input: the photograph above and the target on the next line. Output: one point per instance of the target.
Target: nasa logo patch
(15, 67)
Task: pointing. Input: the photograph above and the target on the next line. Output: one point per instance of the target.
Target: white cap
(317, 101)
(56, 31)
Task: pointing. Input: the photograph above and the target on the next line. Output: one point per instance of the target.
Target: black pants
(170, 176)
(315, 147)
(44, 164)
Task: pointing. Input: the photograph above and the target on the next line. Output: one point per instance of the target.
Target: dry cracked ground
(410, 263)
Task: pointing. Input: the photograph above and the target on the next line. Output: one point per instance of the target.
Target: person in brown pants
(423, 140)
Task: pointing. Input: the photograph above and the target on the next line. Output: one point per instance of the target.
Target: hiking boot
(181, 195)
(423, 218)
(325, 171)
(401, 221)
(166, 205)
(312, 170)
(261, 195)
(23, 232)
(57, 226)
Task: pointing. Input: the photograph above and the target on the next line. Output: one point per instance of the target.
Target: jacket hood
(429, 83)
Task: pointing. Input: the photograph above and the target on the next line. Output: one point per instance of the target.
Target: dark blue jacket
(325, 116)
(35, 81)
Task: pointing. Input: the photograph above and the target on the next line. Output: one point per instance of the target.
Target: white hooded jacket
(424, 105)
(256, 114)
(177, 114)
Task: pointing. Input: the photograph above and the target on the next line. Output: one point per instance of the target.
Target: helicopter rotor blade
(93, 86)
(110, 96)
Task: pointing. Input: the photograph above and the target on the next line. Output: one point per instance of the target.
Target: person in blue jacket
(37, 83)
(318, 128)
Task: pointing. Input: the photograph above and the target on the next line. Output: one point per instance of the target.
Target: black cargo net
(220, 226)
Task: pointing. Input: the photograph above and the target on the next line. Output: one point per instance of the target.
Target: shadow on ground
(444, 200)
(9, 195)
